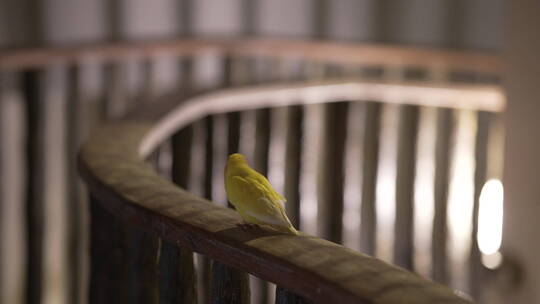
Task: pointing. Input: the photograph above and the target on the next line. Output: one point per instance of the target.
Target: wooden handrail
(112, 163)
(336, 52)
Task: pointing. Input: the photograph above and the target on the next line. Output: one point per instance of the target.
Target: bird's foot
(246, 226)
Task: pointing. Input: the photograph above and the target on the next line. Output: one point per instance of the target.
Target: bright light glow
(424, 190)
(461, 198)
(312, 131)
(490, 217)
(385, 203)
(492, 261)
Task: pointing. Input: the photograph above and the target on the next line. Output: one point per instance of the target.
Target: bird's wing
(266, 184)
(256, 201)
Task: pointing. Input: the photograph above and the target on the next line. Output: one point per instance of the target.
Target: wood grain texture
(314, 268)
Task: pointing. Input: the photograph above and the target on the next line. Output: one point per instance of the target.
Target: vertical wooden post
(480, 176)
(406, 164)
(442, 173)
(76, 204)
(293, 155)
(177, 275)
(177, 271)
(331, 175)
(109, 272)
(229, 286)
(13, 189)
(142, 257)
(370, 161)
(283, 296)
(34, 203)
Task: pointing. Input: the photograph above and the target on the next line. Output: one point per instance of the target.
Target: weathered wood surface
(317, 269)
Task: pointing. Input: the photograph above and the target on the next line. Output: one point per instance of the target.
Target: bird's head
(237, 158)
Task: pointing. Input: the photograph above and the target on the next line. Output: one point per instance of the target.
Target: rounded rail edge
(472, 97)
(116, 174)
(329, 51)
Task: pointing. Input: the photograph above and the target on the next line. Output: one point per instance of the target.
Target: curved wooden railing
(44, 89)
(113, 165)
(318, 51)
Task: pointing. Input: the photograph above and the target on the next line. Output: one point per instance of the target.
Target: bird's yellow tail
(285, 229)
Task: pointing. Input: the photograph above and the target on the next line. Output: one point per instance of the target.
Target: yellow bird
(253, 196)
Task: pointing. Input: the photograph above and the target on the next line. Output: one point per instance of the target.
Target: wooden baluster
(480, 177)
(293, 155)
(405, 176)
(203, 286)
(142, 257)
(331, 173)
(186, 76)
(115, 102)
(108, 272)
(385, 203)
(77, 122)
(262, 140)
(370, 161)
(13, 187)
(209, 153)
(283, 296)
(260, 163)
(229, 285)
(148, 81)
(54, 195)
(222, 275)
(233, 132)
(31, 86)
(177, 272)
(424, 187)
(442, 173)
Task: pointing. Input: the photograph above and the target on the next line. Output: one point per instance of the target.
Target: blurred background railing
(51, 97)
(403, 180)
